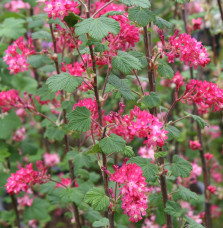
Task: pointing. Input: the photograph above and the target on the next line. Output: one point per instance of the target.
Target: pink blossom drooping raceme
(206, 95)
(146, 152)
(17, 54)
(16, 5)
(25, 178)
(178, 79)
(186, 48)
(8, 99)
(19, 135)
(133, 190)
(139, 124)
(61, 8)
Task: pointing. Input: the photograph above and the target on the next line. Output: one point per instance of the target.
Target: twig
(84, 5)
(43, 115)
(135, 73)
(106, 79)
(57, 182)
(184, 117)
(108, 3)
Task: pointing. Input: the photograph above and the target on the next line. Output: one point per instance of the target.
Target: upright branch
(220, 8)
(152, 88)
(100, 119)
(66, 138)
(206, 178)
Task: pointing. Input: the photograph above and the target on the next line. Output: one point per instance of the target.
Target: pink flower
(17, 60)
(60, 8)
(16, 5)
(213, 131)
(51, 159)
(150, 222)
(186, 48)
(215, 211)
(8, 99)
(25, 201)
(19, 135)
(208, 156)
(195, 145)
(133, 191)
(211, 189)
(196, 23)
(66, 182)
(217, 177)
(146, 152)
(205, 95)
(178, 79)
(25, 178)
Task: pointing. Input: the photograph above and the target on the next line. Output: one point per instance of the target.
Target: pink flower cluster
(26, 200)
(66, 182)
(19, 135)
(25, 178)
(51, 159)
(205, 94)
(139, 124)
(16, 5)
(134, 198)
(17, 61)
(186, 48)
(195, 145)
(60, 8)
(150, 222)
(178, 79)
(146, 152)
(196, 23)
(127, 37)
(212, 189)
(8, 99)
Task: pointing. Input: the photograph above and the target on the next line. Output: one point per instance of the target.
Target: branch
(220, 8)
(137, 78)
(108, 3)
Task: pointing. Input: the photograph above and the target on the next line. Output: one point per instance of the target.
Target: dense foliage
(111, 113)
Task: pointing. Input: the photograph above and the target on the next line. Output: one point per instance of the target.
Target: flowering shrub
(111, 113)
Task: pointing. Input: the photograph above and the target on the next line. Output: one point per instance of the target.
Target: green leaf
(97, 28)
(79, 119)
(140, 56)
(141, 3)
(98, 47)
(149, 170)
(28, 147)
(160, 154)
(4, 153)
(151, 100)
(97, 198)
(101, 222)
(125, 62)
(38, 60)
(142, 16)
(201, 122)
(180, 167)
(68, 195)
(174, 209)
(112, 143)
(71, 19)
(122, 87)
(63, 81)
(8, 123)
(44, 93)
(192, 223)
(185, 194)
(36, 21)
(128, 152)
(165, 70)
(94, 150)
(41, 35)
(173, 132)
(12, 28)
(54, 133)
(113, 13)
(161, 23)
(38, 210)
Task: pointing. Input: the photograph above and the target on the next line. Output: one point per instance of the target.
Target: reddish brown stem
(137, 78)
(66, 138)
(220, 8)
(100, 119)
(152, 87)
